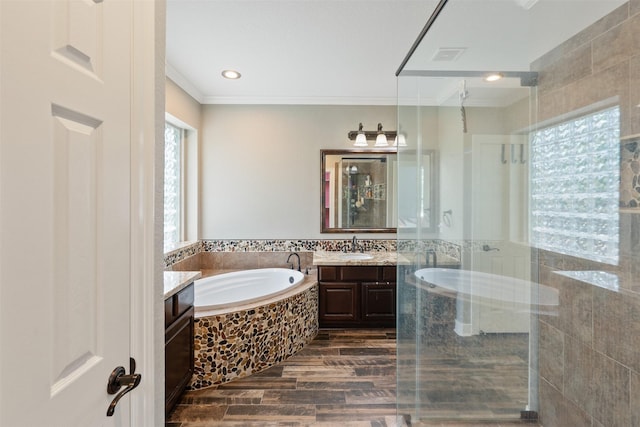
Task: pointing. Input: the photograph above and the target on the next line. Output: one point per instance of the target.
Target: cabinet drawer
(389, 273)
(177, 304)
(168, 312)
(184, 300)
(358, 273)
(327, 273)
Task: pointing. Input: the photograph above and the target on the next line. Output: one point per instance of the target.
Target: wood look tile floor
(342, 378)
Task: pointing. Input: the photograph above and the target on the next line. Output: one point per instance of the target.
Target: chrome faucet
(297, 256)
(354, 244)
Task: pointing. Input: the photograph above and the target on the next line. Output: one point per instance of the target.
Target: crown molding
(184, 83)
(302, 100)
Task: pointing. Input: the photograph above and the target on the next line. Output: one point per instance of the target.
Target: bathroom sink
(355, 256)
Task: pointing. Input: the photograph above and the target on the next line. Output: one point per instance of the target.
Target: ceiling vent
(448, 53)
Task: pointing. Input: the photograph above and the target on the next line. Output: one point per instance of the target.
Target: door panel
(76, 35)
(75, 145)
(499, 206)
(64, 209)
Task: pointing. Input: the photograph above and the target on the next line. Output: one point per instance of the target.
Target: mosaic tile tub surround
(215, 249)
(238, 344)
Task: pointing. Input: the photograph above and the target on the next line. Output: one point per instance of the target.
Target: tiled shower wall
(589, 351)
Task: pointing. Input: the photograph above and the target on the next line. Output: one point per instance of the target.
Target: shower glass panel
(508, 294)
(467, 297)
(465, 288)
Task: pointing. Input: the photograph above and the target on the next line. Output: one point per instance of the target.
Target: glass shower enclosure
(477, 183)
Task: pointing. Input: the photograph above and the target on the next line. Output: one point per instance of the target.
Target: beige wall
(261, 166)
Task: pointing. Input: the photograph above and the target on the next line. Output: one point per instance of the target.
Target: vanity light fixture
(361, 136)
(231, 74)
(493, 77)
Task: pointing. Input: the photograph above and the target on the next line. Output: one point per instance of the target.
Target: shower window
(173, 137)
(575, 175)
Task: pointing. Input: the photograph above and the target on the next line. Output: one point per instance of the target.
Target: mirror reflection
(358, 191)
(417, 204)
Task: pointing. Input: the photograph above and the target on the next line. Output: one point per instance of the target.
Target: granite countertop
(175, 281)
(376, 258)
(357, 258)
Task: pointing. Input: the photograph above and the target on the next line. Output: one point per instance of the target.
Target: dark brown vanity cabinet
(379, 302)
(178, 347)
(338, 303)
(357, 296)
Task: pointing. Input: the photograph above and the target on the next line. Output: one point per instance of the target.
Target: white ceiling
(347, 51)
(292, 51)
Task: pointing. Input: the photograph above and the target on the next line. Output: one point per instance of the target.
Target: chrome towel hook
(446, 217)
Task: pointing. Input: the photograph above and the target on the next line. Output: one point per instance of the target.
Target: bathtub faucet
(430, 253)
(297, 256)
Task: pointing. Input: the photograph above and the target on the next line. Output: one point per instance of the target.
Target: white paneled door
(499, 233)
(65, 210)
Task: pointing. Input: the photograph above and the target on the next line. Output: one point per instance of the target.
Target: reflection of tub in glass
(493, 287)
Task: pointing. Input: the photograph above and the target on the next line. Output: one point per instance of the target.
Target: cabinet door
(178, 358)
(379, 301)
(338, 302)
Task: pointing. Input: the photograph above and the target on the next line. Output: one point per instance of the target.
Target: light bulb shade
(381, 140)
(400, 141)
(361, 140)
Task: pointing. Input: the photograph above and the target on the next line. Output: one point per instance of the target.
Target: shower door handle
(118, 379)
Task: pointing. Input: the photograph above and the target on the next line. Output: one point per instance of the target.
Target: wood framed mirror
(358, 191)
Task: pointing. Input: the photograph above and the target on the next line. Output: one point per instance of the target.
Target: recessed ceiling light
(493, 77)
(231, 74)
